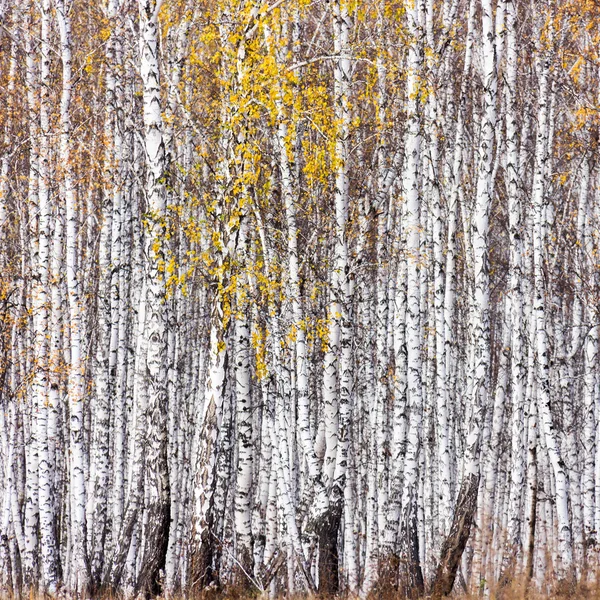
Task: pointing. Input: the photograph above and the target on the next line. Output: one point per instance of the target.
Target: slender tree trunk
(41, 384)
(412, 577)
(151, 368)
(539, 202)
(466, 504)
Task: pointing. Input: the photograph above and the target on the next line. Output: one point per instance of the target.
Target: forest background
(299, 296)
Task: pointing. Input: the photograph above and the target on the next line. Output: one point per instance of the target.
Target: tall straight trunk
(489, 523)
(480, 367)
(202, 545)
(380, 204)
(39, 237)
(178, 152)
(151, 368)
(594, 215)
(514, 546)
(450, 285)
(245, 461)
(116, 304)
(126, 292)
(41, 384)
(544, 396)
(531, 497)
(104, 397)
(439, 265)
(401, 408)
(370, 441)
(342, 290)
(568, 370)
(80, 574)
(50, 233)
(590, 398)
(412, 577)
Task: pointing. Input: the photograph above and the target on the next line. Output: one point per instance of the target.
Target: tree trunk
(454, 544)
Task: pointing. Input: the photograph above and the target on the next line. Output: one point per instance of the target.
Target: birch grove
(299, 297)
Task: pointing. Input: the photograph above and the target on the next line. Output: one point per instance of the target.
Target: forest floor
(579, 594)
(582, 592)
(517, 591)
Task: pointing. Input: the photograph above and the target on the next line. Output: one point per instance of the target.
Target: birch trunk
(151, 368)
(466, 503)
(41, 384)
(412, 577)
(539, 206)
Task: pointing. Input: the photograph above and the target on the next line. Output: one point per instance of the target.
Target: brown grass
(516, 590)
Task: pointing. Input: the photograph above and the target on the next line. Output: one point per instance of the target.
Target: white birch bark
(151, 368)
(479, 235)
(450, 285)
(480, 360)
(31, 510)
(413, 578)
(80, 573)
(104, 395)
(244, 483)
(539, 206)
(590, 401)
(517, 343)
(41, 384)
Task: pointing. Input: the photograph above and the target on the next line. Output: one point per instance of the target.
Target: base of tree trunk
(454, 545)
(412, 584)
(202, 574)
(244, 569)
(387, 576)
(329, 581)
(155, 551)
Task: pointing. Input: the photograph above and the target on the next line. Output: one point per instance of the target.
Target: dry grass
(517, 590)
